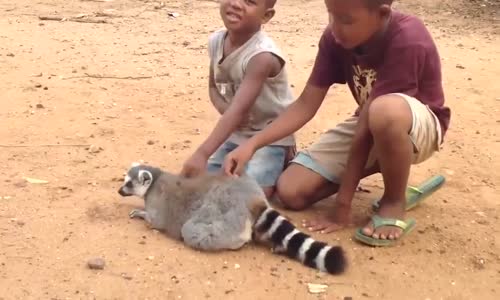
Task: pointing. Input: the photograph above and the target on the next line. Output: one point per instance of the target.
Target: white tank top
(275, 95)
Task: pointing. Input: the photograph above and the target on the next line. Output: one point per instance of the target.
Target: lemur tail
(286, 238)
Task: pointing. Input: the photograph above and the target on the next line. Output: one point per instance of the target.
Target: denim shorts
(265, 167)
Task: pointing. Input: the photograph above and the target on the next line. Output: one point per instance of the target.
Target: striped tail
(287, 239)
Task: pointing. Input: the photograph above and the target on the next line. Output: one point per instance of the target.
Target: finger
(311, 223)
(228, 165)
(318, 226)
(331, 228)
(184, 172)
(238, 168)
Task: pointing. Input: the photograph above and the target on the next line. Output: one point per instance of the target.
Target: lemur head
(137, 181)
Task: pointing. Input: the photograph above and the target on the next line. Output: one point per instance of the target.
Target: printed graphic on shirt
(363, 80)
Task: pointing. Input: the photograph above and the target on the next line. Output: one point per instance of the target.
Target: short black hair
(372, 4)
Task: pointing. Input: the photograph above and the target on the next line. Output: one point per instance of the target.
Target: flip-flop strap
(415, 189)
(379, 221)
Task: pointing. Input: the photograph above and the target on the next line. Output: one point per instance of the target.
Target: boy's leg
(315, 173)
(266, 166)
(215, 162)
(404, 132)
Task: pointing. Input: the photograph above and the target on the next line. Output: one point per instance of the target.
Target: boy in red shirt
(392, 67)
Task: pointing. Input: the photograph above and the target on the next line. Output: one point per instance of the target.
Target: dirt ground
(57, 88)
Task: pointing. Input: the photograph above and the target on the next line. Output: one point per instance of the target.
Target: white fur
(288, 237)
(275, 226)
(263, 217)
(303, 249)
(320, 258)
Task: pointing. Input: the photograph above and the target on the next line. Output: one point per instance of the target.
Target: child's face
(353, 23)
(245, 15)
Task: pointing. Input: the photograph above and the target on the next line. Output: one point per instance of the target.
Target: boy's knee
(290, 193)
(389, 112)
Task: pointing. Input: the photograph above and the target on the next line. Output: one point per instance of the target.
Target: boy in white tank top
(249, 87)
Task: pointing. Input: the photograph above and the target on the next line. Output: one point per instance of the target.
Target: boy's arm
(258, 70)
(292, 119)
(215, 97)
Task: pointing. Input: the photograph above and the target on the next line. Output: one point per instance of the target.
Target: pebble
(38, 85)
(96, 263)
(151, 142)
(95, 149)
(40, 106)
(314, 288)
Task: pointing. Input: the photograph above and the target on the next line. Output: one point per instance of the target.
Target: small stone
(20, 223)
(151, 257)
(126, 276)
(175, 279)
(38, 85)
(483, 222)
(45, 88)
(96, 263)
(479, 263)
(151, 142)
(459, 66)
(40, 106)
(347, 298)
(10, 54)
(20, 184)
(186, 43)
(314, 288)
(94, 149)
(237, 266)
(142, 242)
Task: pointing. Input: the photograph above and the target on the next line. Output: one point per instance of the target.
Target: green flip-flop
(407, 226)
(415, 195)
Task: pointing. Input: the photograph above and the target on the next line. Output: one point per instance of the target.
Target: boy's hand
(236, 160)
(340, 218)
(195, 165)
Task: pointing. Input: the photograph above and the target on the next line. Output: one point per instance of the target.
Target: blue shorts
(265, 167)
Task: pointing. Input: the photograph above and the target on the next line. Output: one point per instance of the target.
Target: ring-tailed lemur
(215, 212)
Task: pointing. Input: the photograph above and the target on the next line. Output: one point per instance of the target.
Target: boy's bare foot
(387, 210)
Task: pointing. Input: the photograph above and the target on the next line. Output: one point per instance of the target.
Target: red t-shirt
(403, 60)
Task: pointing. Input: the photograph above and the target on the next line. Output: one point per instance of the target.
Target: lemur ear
(135, 164)
(145, 177)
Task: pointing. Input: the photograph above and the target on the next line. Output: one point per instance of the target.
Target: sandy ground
(49, 96)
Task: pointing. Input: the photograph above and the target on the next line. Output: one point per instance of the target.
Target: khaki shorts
(328, 156)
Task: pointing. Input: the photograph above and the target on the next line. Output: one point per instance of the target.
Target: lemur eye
(128, 184)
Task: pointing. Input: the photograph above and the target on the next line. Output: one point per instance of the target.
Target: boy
(392, 67)
(249, 87)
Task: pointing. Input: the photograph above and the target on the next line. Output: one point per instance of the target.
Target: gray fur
(215, 212)
(210, 212)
